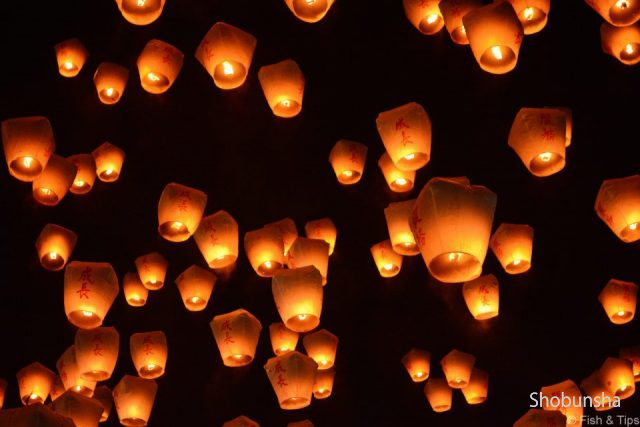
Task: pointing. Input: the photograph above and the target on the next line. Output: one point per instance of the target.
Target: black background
(363, 58)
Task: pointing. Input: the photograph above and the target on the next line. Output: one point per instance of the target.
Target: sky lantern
(241, 421)
(495, 35)
(283, 87)
(134, 398)
(618, 299)
(398, 216)
(323, 385)
(196, 285)
(298, 297)
(620, 13)
(283, 339)
(439, 394)
(103, 396)
(226, 53)
(399, 181)
(110, 80)
(152, 269)
(452, 13)
(3, 391)
(140, 12)
(322, 229)
(424, 15)
(71, 56)
(617, 376)
(593, 387)
(89, 290)
(85, 173)
(28, 144)
(70, 374)
(618, 205)
(451, 223)
(476, 391)
(306, 252)
(135, 292)
(482, 296)
(97, 352)
(348, 159)
(50, 187)
(34, 382)
(512, 244)
(149, 352)
(84, 411)
(179, 211)
(418, 364)
(159, 64)
(265, 250)
(292, 377)
(623, 43)
(388, 261)
(217, 239)
(309, 11)
(533, 14)
(457, 367)
(288, 232)
(632, 354)
(237, 335)
(109, 160)
(35, 415)
(541, 418)
(566, 388)
(406, 134)
(55, 245)
(321, 346)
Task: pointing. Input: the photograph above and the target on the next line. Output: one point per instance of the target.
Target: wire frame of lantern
(424, 15)
(623, 43)
(600, 395)
(54, 246)
(226, 53)
(533, 14)
(265, 250)
(348, 159)
(399, 181)
(3, 391)
(34, 383)
(149, 351)
(618, 205)
(180, 210)
(482, 296)
(283, 87)
(57, 389)
(71, 56)
(457, 367)
(97, 352)
(322, 229)
(110, 80)
(89, 290)
(620, 13)
(283, 339)
(554, 400)
(109, 160)
(309, 11)
(388, 262)
(495, 35)
(135, 292)
(439, 394)
(70, 374)
(104, 397)
(152, 270)
(85, 173)
(236, 335)
(619, 300)
(84, 411)
(418, 364)
(541, 418)
(305, 252)
(477, 390)
(512, 244)
(28, 145)
(632, 354)
(217, 238)
(321, 346)
(159, 64)
(50, 187)
(288, 232)
(298, 297)
(241, 421)
(452, 12)
(451, 223)
(617, 375)
(398, 216)
(196, 285)
(140, 12)
(292, 377)
(133, 398)
(323, 385)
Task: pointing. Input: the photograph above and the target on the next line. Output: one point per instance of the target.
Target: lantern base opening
(222, 261)
(108, 175)
(136, 301)
(32, 399)
(441, 408)
(389, 270)
(154, 286)
(154, 82)
(195, 303)
(268, 268)
(95, 375)
(310, 10)
(286, 108)
(533, 19)
(431, 24)
(476, 400)
(401, 185)
(45, 196)
(623, 16)
(458, 383)
(151, 371)
(630, 54)
(518, 267)
(133, 422)
(237, 360)
(406, 248)
(348, 177)
(85, 319)
(68, 69)
(109, 96)
(625, 391)
(295, 403)
(546, 164)
(322, 393)
(459, 36)
(486, 315)
(455, 267)
(52, 261)
(174, 231)
(282, 350)
(25, 168)
(498, 60)
(143, 14)
(621, 317)
(630, 233)
(229, 74)
(80, 188)
(302, 322)
(412, 161)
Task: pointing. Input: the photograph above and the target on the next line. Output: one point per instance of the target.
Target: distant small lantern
(348, 159)
(306, 252)
(283, 339)
(109, 160)
(482, 296)
(566, 388)
(495, 35)
(89, 290)
(321, 346)
(134, 398)
(388, 262)
(104, 397)
(399, 181)
(134, 291)
(533, 14)
(619, 299)
(152, 269)
(140, 12)
(398, 216)
(196, 285)
(322, 229)
(179, 211)
(538, 136)
(594, 387)
(3, 391)
(217, 239)
(34, 382)
(451, 223)
(50, 187)
(237, 335)
(226, 53)
(28, 145)
(265, 250)
(85, 173)
(418, 364)
(57, 389)
(457, 367)
(97, 352)
(55, 245)
(406, 134)
(241, 421)
(159, 64)
(292, 377)
(623, 43)
(512, 244)
(424, 15)
(632, 354)
(618, 205)
(439, 394)
(323, 386)
(149, 352)
(283, 87)
(71, 56)
(309, 10)
(541, 418)
(70, 374)
(452, 13)
(110, 80)
(617, 376)
(288, 231)
(84, 411)
(477, 390)
(620, 13)
(298, 297)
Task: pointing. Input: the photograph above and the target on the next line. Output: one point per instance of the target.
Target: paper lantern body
(55, 245)
(482, 296)
(89, 290)
(3, 391)
(149, 352)
(623, 43)
(292, 377)
(399, 181)
(217, 239)
(457, 367)
(298, 297)
(226, 53)
(323, 385)
(104, 397)
(97, 352)
(632, 354)
(50, 187)
(71, 56)
(283, 87)
(451, 223)
(569, 389)
(439, 394)
(424, 15)
(619, 299)
(110, 81)
(512, 244)
(152, 270)
(541, 418)
(241, 421)
(309, 11)
(70, 374)
(134, 291)
(196, 285)
(265, 250)
(133, 398)
(617, 12)
(305, 252)
(84, 411)
(476, 391)
(348, 159)
(533, 14)
(179, 211)
(237, 335)
(283, 339)
(304, 423)
(617, 376)
(57, 389)
(35, 415)
(85, 173)
(618, 205)
(159, 65)
(398, 216)
(140, 12)
(452, 13)
(388, 261)
(109, 160)
(322, 229)
(593, 387)
(28, 145)
(321, 346)
(418, 364)
(34, 383)
(288, 232)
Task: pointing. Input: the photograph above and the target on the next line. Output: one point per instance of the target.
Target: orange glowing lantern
(541, 418)
(89, 290)
(226, 53)
(512, 244)
(292, 377)
(322, 229)
(179, 211)
(140, 12)
(451, 223)
(495, 35)
(54, 246)
(309, 10)
(457, 367)
(399, 181)
(618, 205)
(152, 269)
(288, 232)
(159, 65)
(623, 43)
(533, 14)
(424, 15)
(298, 297)
(241, 421)
(134, 291)
(418, 364)
(71, 56)
(439, 394)
(306, 252)
(283, 339)
(196, 285)
(452, 13)
(237, 335)
(70, 374)
(388, 261)
(84, 411)
(217, 239)
(482, 296)
(149, 352)
(109, 160)
(554, 400)
(57, 389)
(620, 13)
(321, 346)
(593, 387)
(304, 423)
(323, 385)
(104, 397)
(28, 144)
(133, 398)
(3, 391)
(265, 250)
(50, 187)
(632, 354)
(398, 216)
(283, 87)
(477, 389)
(348, 159)
(618, 299)
(34, 382)
(97, 352)
(85, 173)
(617, 376)
(110, 80)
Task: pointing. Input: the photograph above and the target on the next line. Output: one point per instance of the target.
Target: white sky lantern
(110, 80)
(217, 238)
(399, 181)
(457, 367)
(50, 187)
(424, 15)
(159, 64)
(569, 389)
(71, 56)
(292, 377)
(298, 297)
(418, 364)
(70, 374)
(149, 351)
(288, 232)
(306, 252)
(348, 160)
(321, 346)
(196, 285)
(55, 245)
(398, 216)
(133, 398)
(84, 411)
(452, 13)
(533, 14)
(97, 352)
(89, 290)
(180, 210)
(265, 250)
(85, 173)
(323, 229)
(28, 144)
(618, 205)
(237, 335)
(388, 262)
(152, 269)
(283, 339)
(283, 87)
(34, 383)
(109, 160)
(135, 292)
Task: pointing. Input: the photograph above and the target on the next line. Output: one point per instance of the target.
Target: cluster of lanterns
(620, 32)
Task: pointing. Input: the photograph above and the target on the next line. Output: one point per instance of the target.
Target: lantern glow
(237, 335)
(618, 205)
(322, 229)
(298, 297)
(149, 352)
(424, 15)
(309, 11)
(217, 239)
(617, 376)
(618, 299)
(84, 411)
(418, 364)
(180, 210)
(104, 397)
(292, 377)
(283, 339)
(135, 292)
(70, 374)
(89, 290)
(593, 386)
(477, 389)
(85, 173)
(305, 252)
(196, 285)
(141, 12)
(567, 388)
(620, 13)
(398, 216)
(399, 181)
(632, 354)
(50, 187)
(452, 13)
(323, 385)
(288, 232)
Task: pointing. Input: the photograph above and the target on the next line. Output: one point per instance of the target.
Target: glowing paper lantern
(321, 346)
(134, 291)
(103, 396)
(406, 134)
(309, 10)
(323, 386)
(388, 261)
(623, 43)
(28, 144)
(283, 87)
(512, 244)
(57, 389)
(109, 160)
(288, 232)
(71, 56)
(110, 80)
(134, 399)
(217, 239)
(283, 339)
(70, 374)
(618, 299)
(292, 377)
(541, 418)
(97, 352)
(179, 211)
(3, 391)
(85, 173)
(196, 285)
(265, 250)
(398, 216)
(241, 421)
(593, 387)
(226, 53)
(452, 13)
(533, 14)
(457, 367)
(556, 392)
(54, 246)
(617, 12)
(451, 223)
(159, 65)
(476, 391)
(618, 205)
(298, 297)
(237, 335)
(348, 159)
(140, 12)
(631, 354)
(495, 35)
(322, 229)
(306, 252)
(36, 415)
(149, 352)
(418, 364)
(617, 376)
(152, 269)
(34, 382)
(50, 187)
(84, 411)
(439, 394)
(424, 15)
(399, 181)
(89, 290)
(482, 296)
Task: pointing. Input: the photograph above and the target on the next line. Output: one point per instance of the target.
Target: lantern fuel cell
(620, 13)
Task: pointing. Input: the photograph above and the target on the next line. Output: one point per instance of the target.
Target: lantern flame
(517, 261)
(347, 173)
(432, 18)
(410, 156)
(401, 181)
(227, 68)
(79, 183)
(633, 226)
(629, 49)
(141, 3)
(53, 256)
(153, 77)
(497, 53)
(455, 256)
(545, 157)
(68, 65)
(388, 267)
(528, 13)
(87, 313)
(109, 91)
(27, 161)
(622, 4)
